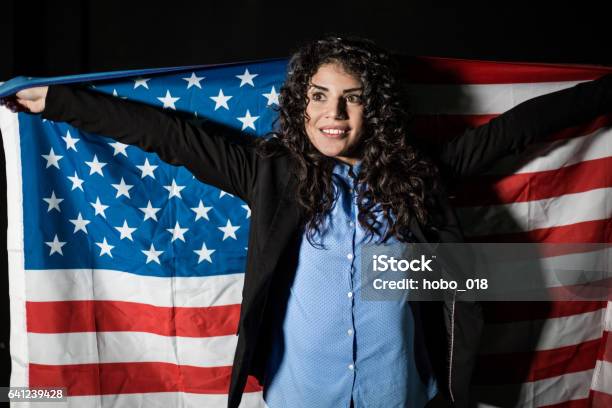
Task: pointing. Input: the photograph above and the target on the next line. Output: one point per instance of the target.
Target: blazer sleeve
(477, 148)
(213, 153)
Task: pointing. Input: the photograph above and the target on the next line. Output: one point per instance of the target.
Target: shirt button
(350, 294)
(349, 256)
(350, 332)
(351, 223)
(351, 367)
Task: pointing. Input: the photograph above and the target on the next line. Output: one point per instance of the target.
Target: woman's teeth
(333, 132)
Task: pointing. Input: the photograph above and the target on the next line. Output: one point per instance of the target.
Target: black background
(44, 38)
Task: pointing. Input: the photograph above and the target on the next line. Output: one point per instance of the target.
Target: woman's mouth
(334, 133)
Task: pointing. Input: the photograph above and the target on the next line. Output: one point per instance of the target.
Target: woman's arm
(211, 152)
(512, 131)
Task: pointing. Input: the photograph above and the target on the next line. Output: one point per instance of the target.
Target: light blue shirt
(332, 345)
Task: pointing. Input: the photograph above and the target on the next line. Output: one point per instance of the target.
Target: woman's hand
(27, 100)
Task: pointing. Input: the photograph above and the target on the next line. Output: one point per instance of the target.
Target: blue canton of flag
(91, 202)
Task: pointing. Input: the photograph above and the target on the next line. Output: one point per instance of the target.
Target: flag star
(229, 231)
(52, 159)
(105, 248)
(223, 193)
(119, 148)
(204, 253)
(248, 121)
(221, 100)
(141, 82)
(126, 231)
(76, 182)
(70, 141)
(149, 212)
(147, 169)
(177, 232)
(194, 80)
(175, 190)
(152, 254)
(201, 211)
(115, 94)
(95, 166)
(168, 100)
(272, 97)
(80, 224)
(248, 210)
(99, 207)
(53, 202)
(246, 78)
(122, 189)
(56, 246)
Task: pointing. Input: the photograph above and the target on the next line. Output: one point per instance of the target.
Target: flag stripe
(575, 178)
(164, 400)
(139, 377)
(600, 399)
(539, 393)
(506, 312)
(536, 365)
(433, 70)
(103, 284)
(117, 347)
(576, 403)
(551, 212)
(476, 99)
(101, 316)
(602, 381)
(542, 335)
(581, 232)
(440, 128)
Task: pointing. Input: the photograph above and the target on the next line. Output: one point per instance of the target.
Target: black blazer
(215, 156)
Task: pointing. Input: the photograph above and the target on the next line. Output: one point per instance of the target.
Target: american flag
(126, 272)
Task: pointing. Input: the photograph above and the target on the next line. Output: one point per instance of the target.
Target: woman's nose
(338, 109)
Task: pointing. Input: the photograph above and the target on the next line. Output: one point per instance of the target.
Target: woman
(342, 171)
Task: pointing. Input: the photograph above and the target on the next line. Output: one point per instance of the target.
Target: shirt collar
(344, 169)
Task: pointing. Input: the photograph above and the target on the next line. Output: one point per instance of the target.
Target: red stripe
(507, 312)
(451, 71)
(515, 368)
(600, 399)
(600, 289)
(125, 378)
(605, 352)
(579, 403)
(577, 178)
(103, 315)
(596, 231)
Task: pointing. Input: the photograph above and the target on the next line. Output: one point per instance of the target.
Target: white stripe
(152, 400)
(9, 125)
(602, 379)
(536, 335)
(103, 284)
(608, 318)
(117, 347)
(538, 393)
(526, 216)
(557, 154)
(477, 99)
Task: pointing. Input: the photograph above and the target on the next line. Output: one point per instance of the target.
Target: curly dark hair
(394, 174)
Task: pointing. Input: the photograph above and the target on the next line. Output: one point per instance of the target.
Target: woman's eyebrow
(313, 85)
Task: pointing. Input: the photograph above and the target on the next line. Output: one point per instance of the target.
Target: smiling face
(334, 114)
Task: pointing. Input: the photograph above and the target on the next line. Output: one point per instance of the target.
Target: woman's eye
(317, 96)
(354, 98)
